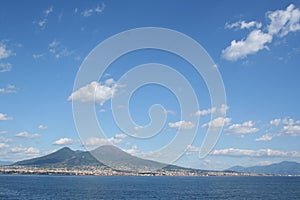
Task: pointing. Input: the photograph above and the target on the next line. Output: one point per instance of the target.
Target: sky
(255, 46)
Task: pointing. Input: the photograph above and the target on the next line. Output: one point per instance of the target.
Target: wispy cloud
(8, 89)
(5, 67)
(281, 23)
(59, 50)
(243, 25)
(91, 11)
(43, 21)
(27, 135)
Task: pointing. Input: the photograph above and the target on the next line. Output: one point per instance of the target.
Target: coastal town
(105, 171)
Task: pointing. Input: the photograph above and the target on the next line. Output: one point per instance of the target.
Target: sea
(39, 187)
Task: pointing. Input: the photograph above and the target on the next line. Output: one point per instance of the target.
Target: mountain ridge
(283, 168)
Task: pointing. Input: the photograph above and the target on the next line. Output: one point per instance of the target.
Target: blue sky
(255, 46)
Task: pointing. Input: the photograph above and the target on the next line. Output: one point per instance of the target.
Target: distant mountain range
(284, 168)
(107, 156)
(112, 157)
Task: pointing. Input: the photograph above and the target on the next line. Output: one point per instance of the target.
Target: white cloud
(217, 123)
(94, 91)
(27, 135)
(59, 50)
(255, 41)
(37, 56)
(281, 23)
(133, 150)
(3, 132)
(3, 145)
(43, 21)
(275, 122)
(42, 127)
(92, 11)
(284, 21)
(5, 67)
(95, 141)
(4, 52)
(222, 110)
(242, 129)
(5, 140)
(182, 125)
(8, 89)
(137, 128)
(22, 152)
(255, 153)
(4, 117)
(120, 136)
(48, 11)
(171, 112)
(64, 141)
(290, 130)
(243, 25)
(266, 137)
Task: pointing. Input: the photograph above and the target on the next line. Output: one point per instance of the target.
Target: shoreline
(94, 171)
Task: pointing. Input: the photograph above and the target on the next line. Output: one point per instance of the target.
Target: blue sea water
(122, 187)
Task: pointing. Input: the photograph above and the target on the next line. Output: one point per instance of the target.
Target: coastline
(102, 171)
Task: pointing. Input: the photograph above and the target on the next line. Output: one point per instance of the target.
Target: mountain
(120, 160)
(284, 168)
(106, 155)
(64, 157)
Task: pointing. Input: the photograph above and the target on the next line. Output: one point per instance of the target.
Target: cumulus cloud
(91, 11)
(64, 141)
(243, 25)
(42, 127)
(27, 135)
(255, 41)
(217, 123)
(242, 129)
(284, 21)
(95, 91)
(4, 117)
(182, 125)
(8, 89)
(281, 23)
(255, 153)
